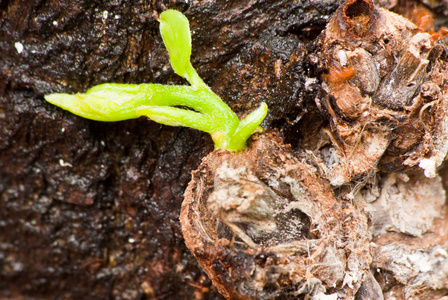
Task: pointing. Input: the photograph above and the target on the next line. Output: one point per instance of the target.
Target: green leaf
(247, 127)
(174, 116)
(105, 102)
(117, 102)
(175, 31)
(204, 110)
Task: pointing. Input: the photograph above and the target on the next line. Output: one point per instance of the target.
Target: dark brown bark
(90, 209)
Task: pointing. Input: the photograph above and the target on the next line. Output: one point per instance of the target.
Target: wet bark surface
(90, 209)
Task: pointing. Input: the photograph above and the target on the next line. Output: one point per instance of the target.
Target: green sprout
(195, 106)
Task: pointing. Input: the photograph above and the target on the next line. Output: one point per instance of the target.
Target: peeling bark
(369, 172)
(264, 224)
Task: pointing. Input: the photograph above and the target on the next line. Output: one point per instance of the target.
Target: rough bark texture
(90, 209)
(265, 224)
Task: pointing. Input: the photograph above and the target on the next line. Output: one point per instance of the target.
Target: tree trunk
(91, 210)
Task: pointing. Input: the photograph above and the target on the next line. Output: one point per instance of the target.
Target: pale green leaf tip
(72, 103)
(264, 108)
(57, 98)
(66, 101)
(172, 14)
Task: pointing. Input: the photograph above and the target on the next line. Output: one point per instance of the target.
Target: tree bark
(91, 209)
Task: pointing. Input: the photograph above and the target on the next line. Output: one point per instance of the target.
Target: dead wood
(363, 188)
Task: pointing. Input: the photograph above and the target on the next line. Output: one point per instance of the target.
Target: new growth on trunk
(195, 106)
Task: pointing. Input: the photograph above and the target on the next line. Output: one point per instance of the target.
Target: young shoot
(160, 103)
